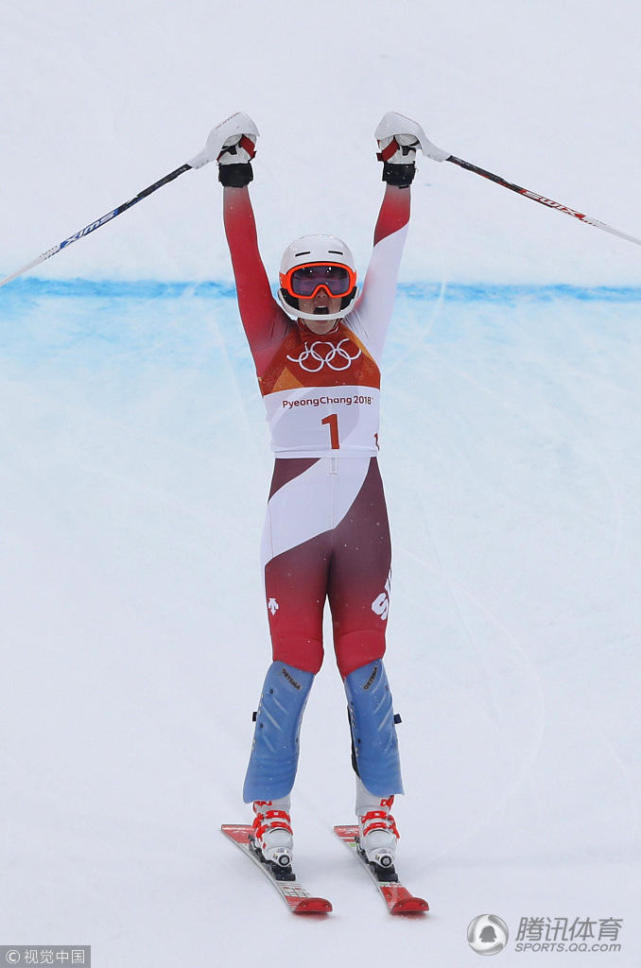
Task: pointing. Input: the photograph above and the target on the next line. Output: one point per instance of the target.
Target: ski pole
(96, 225)
(237, 124)
(398, 122)
(550, 203)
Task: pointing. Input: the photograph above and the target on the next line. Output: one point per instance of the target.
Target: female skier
(317, 354)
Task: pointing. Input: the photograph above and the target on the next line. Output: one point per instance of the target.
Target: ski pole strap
(248, 145)
(388, 151)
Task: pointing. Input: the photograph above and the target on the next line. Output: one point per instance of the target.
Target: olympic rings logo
(336, 357)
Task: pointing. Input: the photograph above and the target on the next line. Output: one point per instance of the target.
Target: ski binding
(398, 899)
(297, 898)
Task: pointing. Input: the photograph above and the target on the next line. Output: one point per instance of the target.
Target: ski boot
(378, 834)
(272, 835)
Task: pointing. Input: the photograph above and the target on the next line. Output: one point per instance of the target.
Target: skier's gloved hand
(232, 143)
(398, 139)
(234, 160)
(398, 154)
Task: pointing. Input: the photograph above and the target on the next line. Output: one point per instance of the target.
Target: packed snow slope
(101, 100)
(136, 465)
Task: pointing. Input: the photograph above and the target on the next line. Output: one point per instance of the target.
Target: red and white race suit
(326, 531)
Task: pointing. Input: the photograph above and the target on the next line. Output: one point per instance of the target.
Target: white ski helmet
(311, 252)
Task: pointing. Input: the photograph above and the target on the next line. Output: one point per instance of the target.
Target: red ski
(292, 891)
(398, 899)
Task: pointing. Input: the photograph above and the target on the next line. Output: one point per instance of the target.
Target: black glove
(234, 161)
(398, 154)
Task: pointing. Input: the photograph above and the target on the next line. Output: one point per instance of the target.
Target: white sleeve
(371, 316)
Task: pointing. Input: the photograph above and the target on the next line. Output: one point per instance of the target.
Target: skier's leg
(274, 756)
(375, 759)
(296, 554)
(359, 589)
(359, 593)
(372, 721)
(295, 585)
(295, 590)
(359, 581)
(296, 564)
(274, 759)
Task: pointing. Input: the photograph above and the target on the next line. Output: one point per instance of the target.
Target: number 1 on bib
(332, 421)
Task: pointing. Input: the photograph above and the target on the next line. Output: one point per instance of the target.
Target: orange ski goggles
(304, 281)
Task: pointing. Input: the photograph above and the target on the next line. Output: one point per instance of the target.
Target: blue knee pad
(371, 716)
(274, 755)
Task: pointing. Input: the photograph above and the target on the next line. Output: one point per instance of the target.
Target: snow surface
(136, 465)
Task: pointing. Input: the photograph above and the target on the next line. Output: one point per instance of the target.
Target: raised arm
(263, 320)
(394, 213)
(259, 310)
(374, 307)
